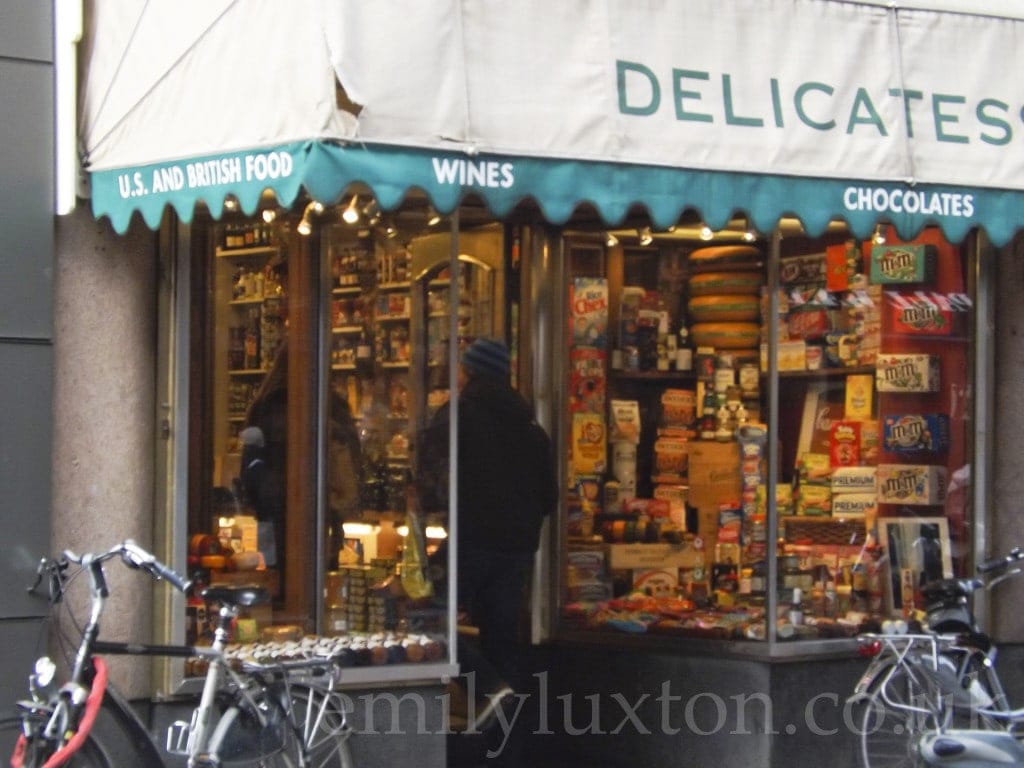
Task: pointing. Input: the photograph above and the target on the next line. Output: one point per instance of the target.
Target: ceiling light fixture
(305, 226)
(610, 239)
(878, 238)
(269, 215)
(644, 233)
(433, 217)
(351, 213)
(706, 233)
(749, 235)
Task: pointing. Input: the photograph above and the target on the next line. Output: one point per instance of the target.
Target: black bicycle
(250, 713)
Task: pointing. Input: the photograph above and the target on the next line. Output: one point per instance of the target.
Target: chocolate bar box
(907, 373)
(911, 433)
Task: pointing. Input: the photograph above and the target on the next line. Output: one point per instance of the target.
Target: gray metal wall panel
(26, 429)
(26, 200)
(22, 642)
(26, 29)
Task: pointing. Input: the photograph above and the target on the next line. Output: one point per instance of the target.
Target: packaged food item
(590, 312)
(907, 373)
(588, 443)
(815, 468)
(802, 270)
(919, 484)
(587, 380)
(675, 495)
(844, 443)
(678, 407)
(903, 264)
(625, 421)
(916, 433)
(927, 314)
(814, 500)
(853, 480)
(670, 455)
(792, 356)
(859, 396)
(854, 505)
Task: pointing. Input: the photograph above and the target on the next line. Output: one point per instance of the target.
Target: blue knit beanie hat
(487, 357)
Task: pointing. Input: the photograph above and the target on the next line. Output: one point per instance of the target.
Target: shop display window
(764, 435)
(323, 359)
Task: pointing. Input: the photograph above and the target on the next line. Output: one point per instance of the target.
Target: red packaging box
(844, 443)
(920, 314)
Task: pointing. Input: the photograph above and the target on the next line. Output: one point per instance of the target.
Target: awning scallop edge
(559, 186)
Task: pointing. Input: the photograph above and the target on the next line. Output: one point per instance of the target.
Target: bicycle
(250, 713)
(933, 697)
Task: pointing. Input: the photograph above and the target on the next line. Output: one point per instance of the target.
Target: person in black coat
(506, 486)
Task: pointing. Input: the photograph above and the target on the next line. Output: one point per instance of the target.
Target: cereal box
(590, 312)
(588, 443)
(916, 433)
(587, 380)
(921, 484)
(902, 264)
(907, 373)
(844, 443)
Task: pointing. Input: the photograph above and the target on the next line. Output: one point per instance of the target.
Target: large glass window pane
(675, 366)
(315, 371)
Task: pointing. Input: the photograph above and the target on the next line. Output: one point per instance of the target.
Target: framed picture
(918, 551)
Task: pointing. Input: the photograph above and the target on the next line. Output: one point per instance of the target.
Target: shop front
(746, 278)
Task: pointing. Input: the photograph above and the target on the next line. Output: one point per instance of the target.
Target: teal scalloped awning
(325, 170)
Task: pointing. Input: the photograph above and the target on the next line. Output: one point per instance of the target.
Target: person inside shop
(506, 487)
(264, 464)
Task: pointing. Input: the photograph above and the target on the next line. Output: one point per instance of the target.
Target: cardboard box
(715, 479)
(650, 556)
(853, 480)
(792, 356)
(916, 433)
(922, 314)
(907, 373)
(846, 505)
(902, 264)
(919, 484)
(590, 312)
(859, 396)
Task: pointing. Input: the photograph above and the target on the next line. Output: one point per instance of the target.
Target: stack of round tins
(725, 287)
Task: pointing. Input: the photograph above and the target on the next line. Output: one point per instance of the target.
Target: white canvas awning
(815, 108)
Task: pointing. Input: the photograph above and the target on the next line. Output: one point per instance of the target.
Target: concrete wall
(104, 412)
(1008, 509)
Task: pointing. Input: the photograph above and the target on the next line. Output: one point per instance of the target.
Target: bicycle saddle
(949, 590)
(244, 596)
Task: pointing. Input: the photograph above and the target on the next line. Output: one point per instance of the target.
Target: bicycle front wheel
(901, 704)
(90, 755)
(322, 727)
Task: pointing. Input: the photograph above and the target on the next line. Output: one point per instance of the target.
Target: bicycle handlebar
(133, 556)
(1001, 563)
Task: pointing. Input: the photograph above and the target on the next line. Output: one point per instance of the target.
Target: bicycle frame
(257, 719)
(948, 688)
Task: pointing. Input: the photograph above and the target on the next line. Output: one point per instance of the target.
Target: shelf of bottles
(371, 352)
(247, 257)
